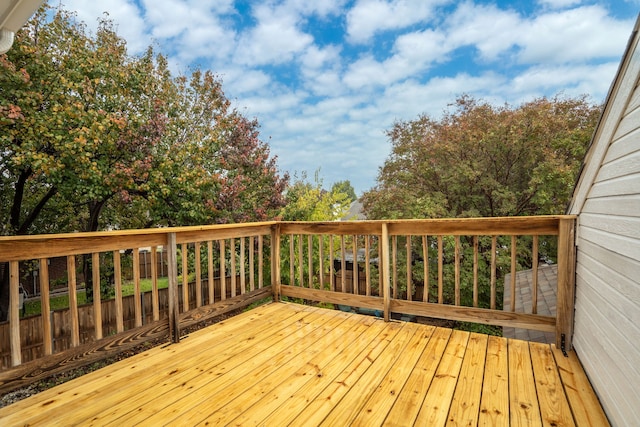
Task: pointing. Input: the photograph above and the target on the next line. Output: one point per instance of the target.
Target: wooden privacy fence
(446, 268)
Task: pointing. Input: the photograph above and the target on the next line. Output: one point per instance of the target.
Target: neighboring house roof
(13, 15)
(547, 284)
(619, 99)
(354, 212)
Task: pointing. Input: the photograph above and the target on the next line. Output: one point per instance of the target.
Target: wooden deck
(287, 364)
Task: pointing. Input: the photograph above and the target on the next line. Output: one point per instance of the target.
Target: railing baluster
(252, 272)
(232, 267)
(185, 277)
(321, 261)
(475, 271)
(261, 261)
(514, 243)
(117, 278)
(354, 276)
(332, 272)
(198, 275)
(300, 263)
(243, 280)
(534, 274)
(394, 260)
(45, 307)
(367, 263)
(494, 243)
(14, 313)
(155, 303)
(73, 300)
(210, 282)
(292, 260)
(425, 258)
(97, 303)
(136, 287)
(343, 264)
(409, 275)
(223, 273)
(457, 270)
(440, 272)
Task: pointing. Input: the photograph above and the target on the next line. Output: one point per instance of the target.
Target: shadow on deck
(288, 364)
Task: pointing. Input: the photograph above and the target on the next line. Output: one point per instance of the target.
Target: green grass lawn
(60, 302)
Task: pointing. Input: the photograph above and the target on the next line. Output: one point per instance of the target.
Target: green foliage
(483, 161)
(308, 201)
(346, 188)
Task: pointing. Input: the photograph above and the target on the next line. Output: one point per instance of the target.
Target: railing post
(566, 283)
(275, 262)
(172, 272)
(384, 271)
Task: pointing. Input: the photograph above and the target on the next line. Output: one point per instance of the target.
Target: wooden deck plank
(352, 402)
(302, 382)
(494, 403)
(287, 364)
(154, 361)
(335, 373)
(585, 405)
(437, 402)
(554, 407)
(257, 384)
(317, 409)
(465, 406)
(406, 408)
(220, 375)
(386, 394)
(523, 401)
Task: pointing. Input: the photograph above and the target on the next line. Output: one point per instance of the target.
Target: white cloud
(573, 35)
(126, 15)
(369, 17)
(275, 38)
(491, 30)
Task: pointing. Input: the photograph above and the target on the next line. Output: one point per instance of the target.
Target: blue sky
(327, 78)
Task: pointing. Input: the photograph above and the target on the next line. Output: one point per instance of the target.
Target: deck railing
(444, 268)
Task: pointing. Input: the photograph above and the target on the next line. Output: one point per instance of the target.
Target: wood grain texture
(288, 364)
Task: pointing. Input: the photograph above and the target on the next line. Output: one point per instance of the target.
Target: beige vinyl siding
(607, 321)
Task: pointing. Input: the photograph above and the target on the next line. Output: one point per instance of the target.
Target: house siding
(607, 320)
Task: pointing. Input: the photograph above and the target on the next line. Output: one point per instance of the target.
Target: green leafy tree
(483, 160)
(345, 187)
(93, 138)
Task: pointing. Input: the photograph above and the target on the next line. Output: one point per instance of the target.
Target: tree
(308, 201)
(482, 160)
(345, 187)
(93, 138)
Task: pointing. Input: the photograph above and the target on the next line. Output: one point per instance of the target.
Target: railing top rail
(18, 248)
(515, 225)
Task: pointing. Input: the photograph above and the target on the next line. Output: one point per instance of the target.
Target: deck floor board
(287, 364)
